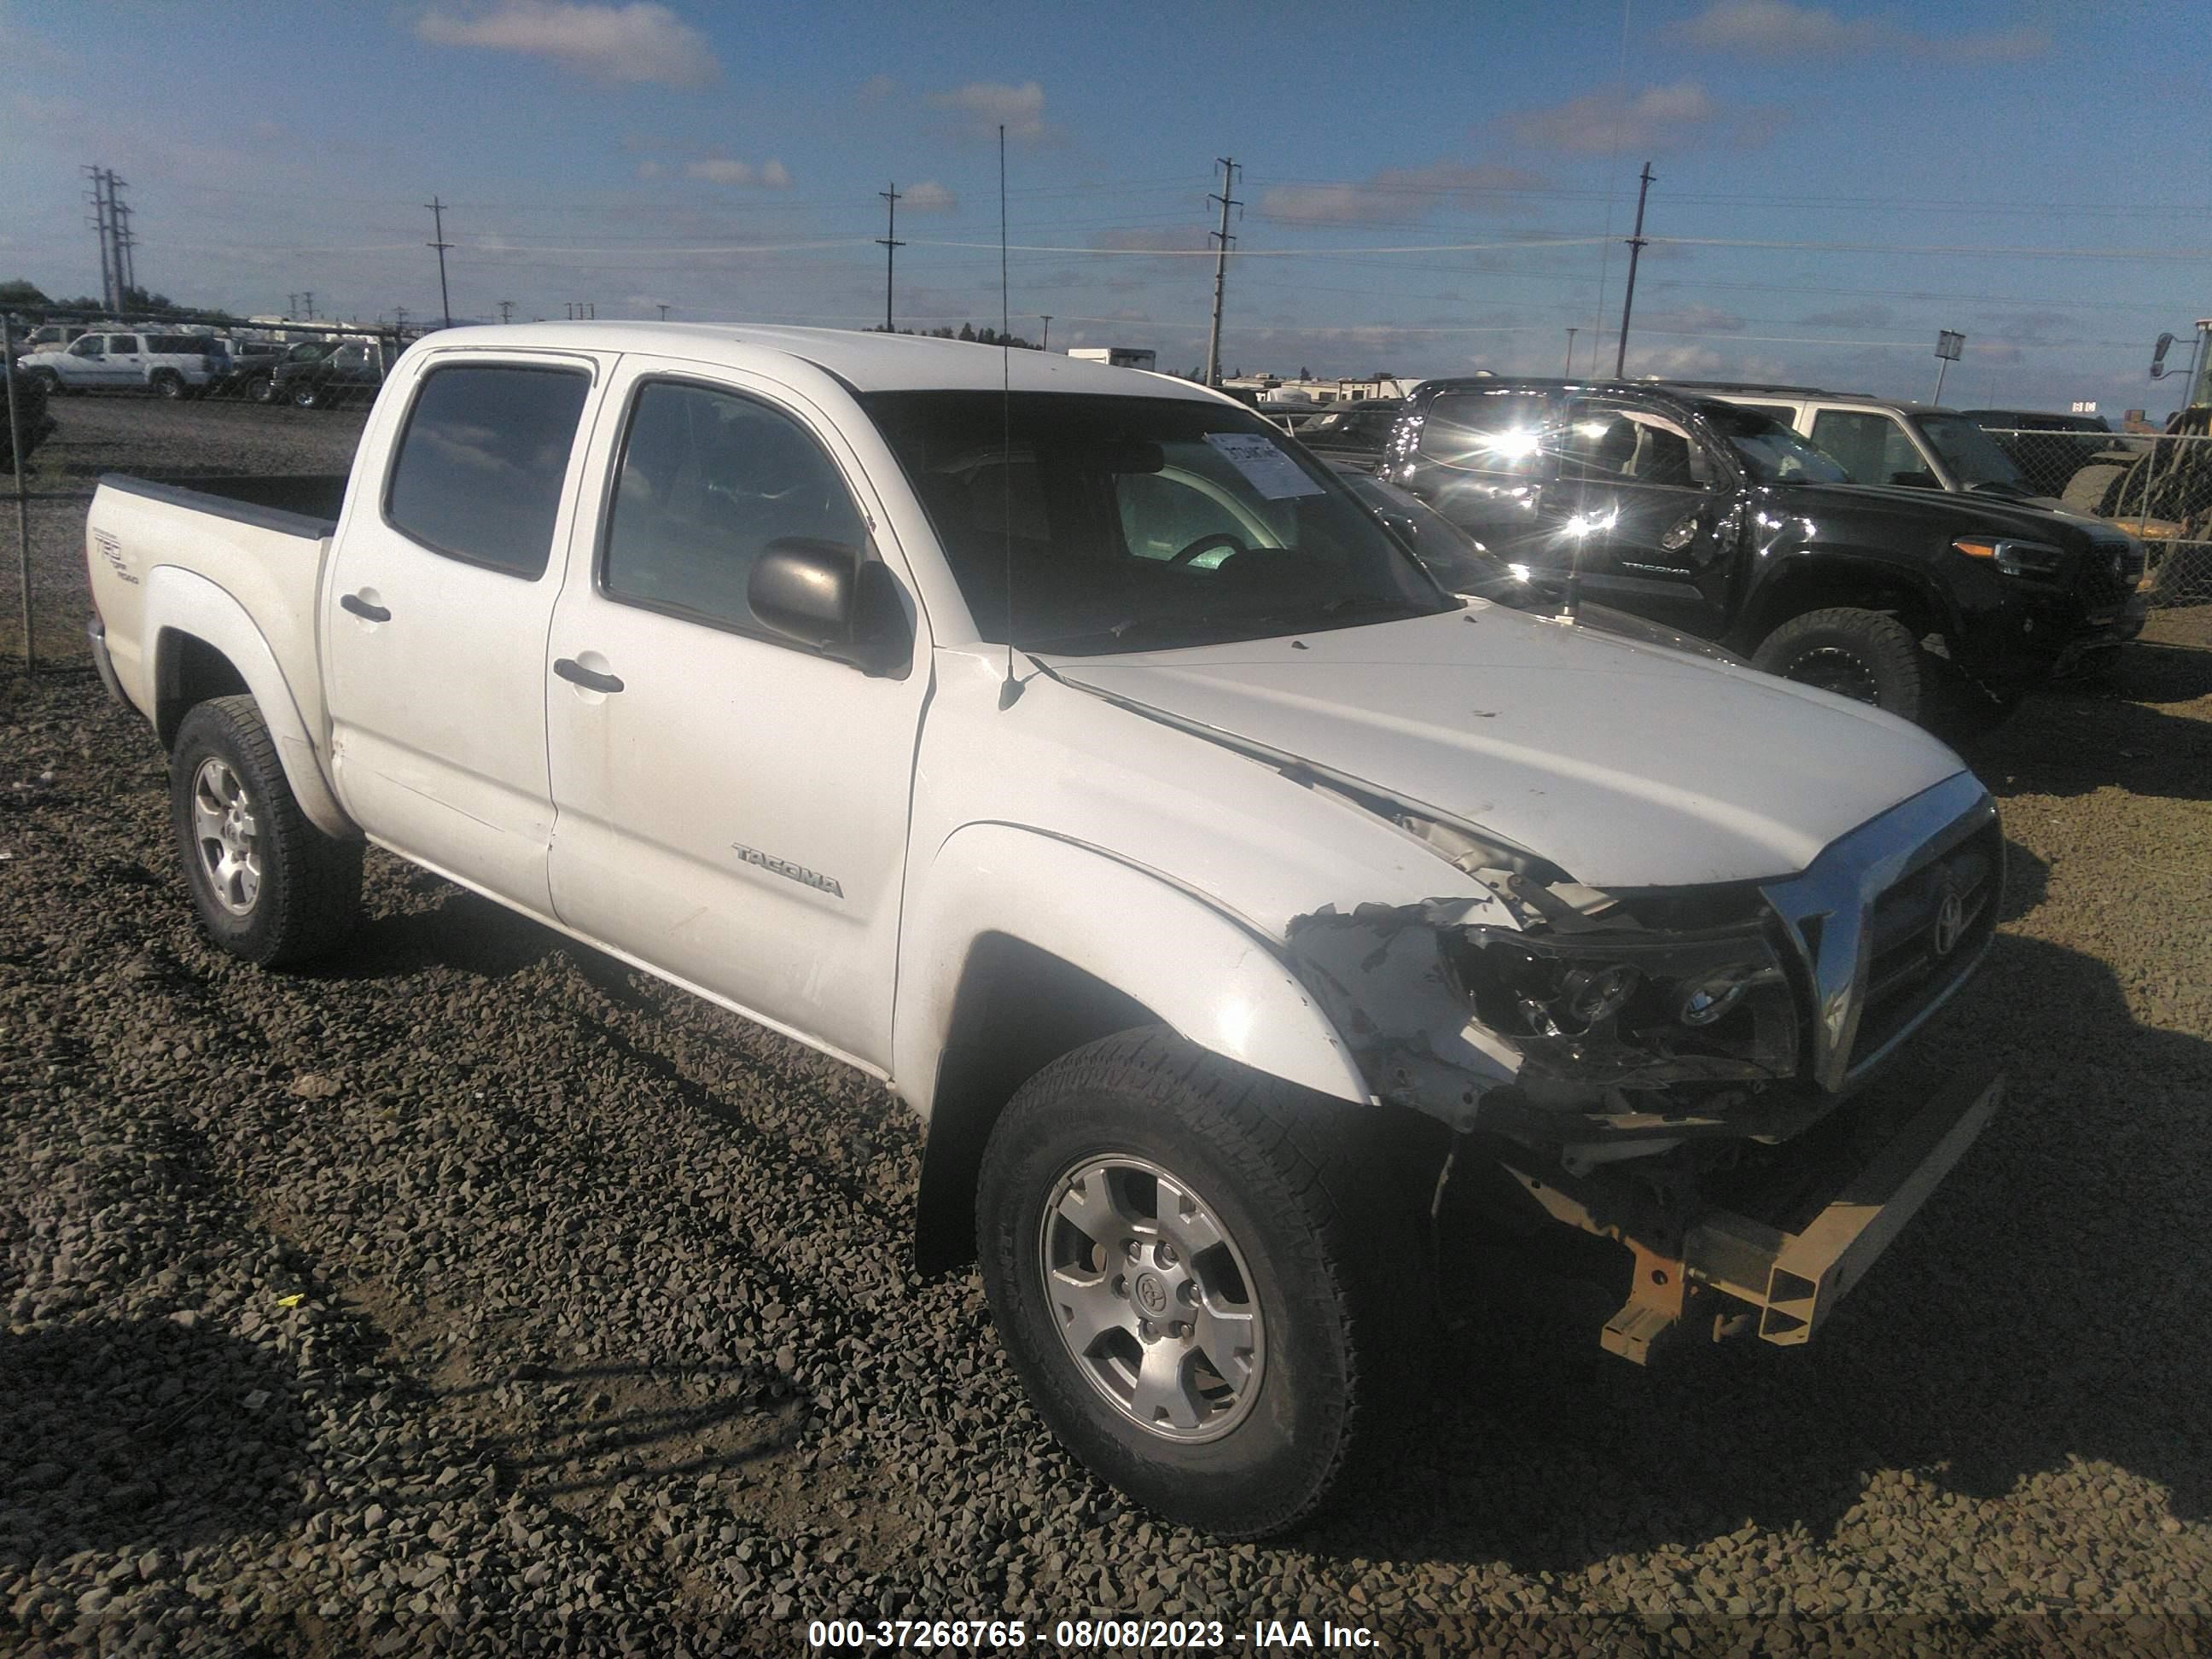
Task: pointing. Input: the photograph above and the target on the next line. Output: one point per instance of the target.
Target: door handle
(363, 609)
(576, 674)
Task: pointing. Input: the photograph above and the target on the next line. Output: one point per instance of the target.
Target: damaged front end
(1629, 1058)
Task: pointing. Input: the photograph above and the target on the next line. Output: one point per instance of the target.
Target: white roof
(865, 361)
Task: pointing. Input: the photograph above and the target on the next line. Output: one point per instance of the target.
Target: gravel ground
(474, 1293)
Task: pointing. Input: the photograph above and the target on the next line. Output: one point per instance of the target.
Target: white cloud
(770, 174)
(1398, 193)
(1693, 320)
(928, 196)
(1777, 28)
(982, 108)
(1649, 122)
(631, 44)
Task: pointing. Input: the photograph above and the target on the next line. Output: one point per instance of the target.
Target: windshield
(1139, 523)
(309, 351)
(1770, 451)
(1460, 563)
(1972, 454)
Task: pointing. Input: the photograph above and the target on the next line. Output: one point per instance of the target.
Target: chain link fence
(2158, 487)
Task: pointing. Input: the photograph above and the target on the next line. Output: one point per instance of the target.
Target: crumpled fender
(184, 602)
(1216, 979)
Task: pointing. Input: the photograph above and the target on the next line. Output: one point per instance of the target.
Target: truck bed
(297, 504)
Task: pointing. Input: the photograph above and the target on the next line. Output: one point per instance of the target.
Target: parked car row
(320, 373)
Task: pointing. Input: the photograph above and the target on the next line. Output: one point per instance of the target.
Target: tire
(47, 378)
(2086, 492)
(1311, 1266)
(307, 396)
(269, 886)
(1863, 654)
(169, 387)
(260, 388)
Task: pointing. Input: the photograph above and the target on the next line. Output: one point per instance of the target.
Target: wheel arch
(1865, 581)
(205, 645)
(1024, 946)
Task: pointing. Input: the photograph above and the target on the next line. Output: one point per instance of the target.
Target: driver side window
(708, 480)
(1162, 515)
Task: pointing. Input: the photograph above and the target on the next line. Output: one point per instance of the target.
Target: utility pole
(1628, 300)
(664, 310)
(890, 245)
(307, 295)
(399, 318)
(292, 307)
(1570, 352)
(1222, 239)
(438, 230)
(1045, 344)
(119, 220)
(100, 224)
(505, 310)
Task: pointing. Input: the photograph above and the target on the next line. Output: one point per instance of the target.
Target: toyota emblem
(1950, 922)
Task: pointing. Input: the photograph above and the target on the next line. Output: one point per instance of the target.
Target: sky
(1422, 189)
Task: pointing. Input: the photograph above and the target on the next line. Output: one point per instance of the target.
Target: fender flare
(180, 601)
(1215, 979)
(1789, 567)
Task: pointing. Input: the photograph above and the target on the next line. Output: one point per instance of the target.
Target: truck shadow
(141, 1435)
(2044, 1308)
(2114, 728)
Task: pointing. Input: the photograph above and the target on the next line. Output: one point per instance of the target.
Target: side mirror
(826, 596)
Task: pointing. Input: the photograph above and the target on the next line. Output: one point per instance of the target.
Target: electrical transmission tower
(110, 219)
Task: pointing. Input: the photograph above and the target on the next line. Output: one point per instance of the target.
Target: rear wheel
(169, 386)
(269, 886)
(258, 388)
(1866, 655)
(1194, 1277)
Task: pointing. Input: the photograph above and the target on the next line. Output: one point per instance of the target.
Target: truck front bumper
(1777, 1262)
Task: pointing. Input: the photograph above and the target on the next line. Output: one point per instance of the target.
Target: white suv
(1918, 446)
(173, 365)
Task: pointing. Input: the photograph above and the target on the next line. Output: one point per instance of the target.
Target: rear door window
(479, 469)
(1485, 431)
(1873, 448)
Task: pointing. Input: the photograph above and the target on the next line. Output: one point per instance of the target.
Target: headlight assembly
(1633, 1009)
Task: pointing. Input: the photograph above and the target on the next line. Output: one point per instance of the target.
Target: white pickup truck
(1068, 750)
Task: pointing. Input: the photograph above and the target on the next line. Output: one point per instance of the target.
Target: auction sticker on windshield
(1264, 464)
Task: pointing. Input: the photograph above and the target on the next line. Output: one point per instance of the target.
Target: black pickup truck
(1721, 522)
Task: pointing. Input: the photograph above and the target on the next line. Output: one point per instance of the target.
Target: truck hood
(1626, 765)
(1961, 513)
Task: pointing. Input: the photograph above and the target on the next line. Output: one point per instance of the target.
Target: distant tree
(1304, 373)
(138, 298)
(21, 293)
(967, 331)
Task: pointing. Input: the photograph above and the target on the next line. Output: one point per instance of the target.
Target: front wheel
(257, 388)
(48, 379)
(169, 387)
(1184, 1264)
(269, 886)
(306, 397)
(1866, 655)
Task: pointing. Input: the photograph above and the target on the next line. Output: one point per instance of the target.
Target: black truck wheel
(269, 886)
(1194, 1282)
(1863, 654)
